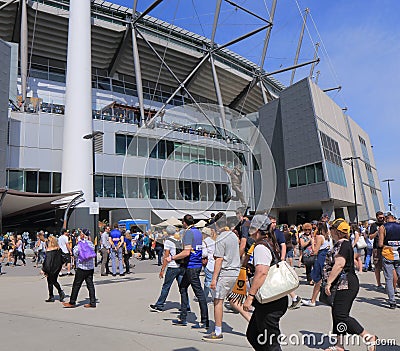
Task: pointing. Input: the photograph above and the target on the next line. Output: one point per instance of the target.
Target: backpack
(85, 251)
(178, 249)
(294, 239)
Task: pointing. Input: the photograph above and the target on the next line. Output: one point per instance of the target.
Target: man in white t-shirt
(226, 271)
(173, 271)
(63, 242)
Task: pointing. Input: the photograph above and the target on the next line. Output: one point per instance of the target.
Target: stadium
(114, 107)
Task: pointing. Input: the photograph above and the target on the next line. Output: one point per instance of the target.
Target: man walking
(389, 241)
(63, 242)
(84, 271)
(226, 271)
(105, 247)
(116, 241)
(376, 250)
(192, 244)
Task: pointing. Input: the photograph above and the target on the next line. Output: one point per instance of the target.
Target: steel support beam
(24, 52)
(296, 59)
(112, 68)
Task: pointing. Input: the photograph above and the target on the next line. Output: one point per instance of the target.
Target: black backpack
(178, 249)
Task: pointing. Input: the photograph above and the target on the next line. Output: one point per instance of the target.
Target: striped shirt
(85, 265)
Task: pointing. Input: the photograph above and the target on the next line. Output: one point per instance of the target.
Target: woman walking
(341, 283)
(51, 268)
(321, 244)
(355, 236)
(19, 250)
(263, 330)
(308, 258)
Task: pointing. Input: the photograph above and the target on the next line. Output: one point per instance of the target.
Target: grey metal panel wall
(5, 59)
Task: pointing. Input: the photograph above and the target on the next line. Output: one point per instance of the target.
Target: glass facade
(34, 181)
(110, 186)
(177, 151)
(306, 175)
(334, 165)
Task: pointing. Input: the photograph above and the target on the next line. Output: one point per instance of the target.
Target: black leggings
(263, 329)
(18, 255)
(52, 281)
(342, 303)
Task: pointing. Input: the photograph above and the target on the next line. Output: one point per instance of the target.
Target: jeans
(388, 267)
(170, 275)
(113, 255)
(191, 277)
(207, 281)
(368, 258)
(263, 329)
(159, 251)
(80, 276)
(105, 258)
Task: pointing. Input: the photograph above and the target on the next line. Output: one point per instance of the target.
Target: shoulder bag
(280, 281)
(361, 243)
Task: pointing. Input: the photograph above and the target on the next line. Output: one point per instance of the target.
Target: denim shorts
(290, 253)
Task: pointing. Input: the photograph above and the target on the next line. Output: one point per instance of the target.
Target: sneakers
(392, 306)
(201, 326)
(155, 308)
(179, 322)
(308, 303)
(295, 304)
(213, 337)
(50, 299)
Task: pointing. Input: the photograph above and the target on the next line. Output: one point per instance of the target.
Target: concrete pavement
(122, 318)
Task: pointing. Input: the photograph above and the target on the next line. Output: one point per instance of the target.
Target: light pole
(390, 200)
(351, 158)
(93, 136)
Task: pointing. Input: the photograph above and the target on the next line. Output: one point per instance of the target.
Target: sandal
(371, 344)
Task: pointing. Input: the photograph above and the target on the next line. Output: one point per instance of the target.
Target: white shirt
(169, 245)
(63, 242)
(262, 255)
(209, 245)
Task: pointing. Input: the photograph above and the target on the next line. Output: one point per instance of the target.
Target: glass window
(301, 176)
(226, 194)
(153, 148)
(16, 180)
(56, 183)
(196, 191)
(161, 189)
(31, 181)
(161, 149)
(178, 152)
(132, 185)
(187, 191)
(223, 156)
(202, 152)
(144, 189)
(44, 182)
(171, 189)
(170, 150)
(103, 83)
(153, 188)
(143, 149)
(209, 155)
(319, 172)
(98, 186)
(216, 157)
(131, 145)
(310, 171)
(186, 153)
(292, 178)
(211, 191)
(203, 191)
(194, 153)
(109, 186)
(120, 144)
(219, 192)
(180, 193)
(118, 187)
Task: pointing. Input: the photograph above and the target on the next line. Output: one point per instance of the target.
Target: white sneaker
(308, 303)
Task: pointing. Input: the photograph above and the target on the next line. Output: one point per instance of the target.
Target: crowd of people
(236, 256)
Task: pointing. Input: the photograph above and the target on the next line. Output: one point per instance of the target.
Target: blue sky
(360, 51)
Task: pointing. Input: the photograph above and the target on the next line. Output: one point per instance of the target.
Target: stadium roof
(112, 50)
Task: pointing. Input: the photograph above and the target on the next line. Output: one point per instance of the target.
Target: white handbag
(361, 243)
(280, 281)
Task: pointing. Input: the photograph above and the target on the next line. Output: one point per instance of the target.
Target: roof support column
(77, 169)
(24, 52)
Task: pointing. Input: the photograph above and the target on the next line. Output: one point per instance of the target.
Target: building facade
(310, 136)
